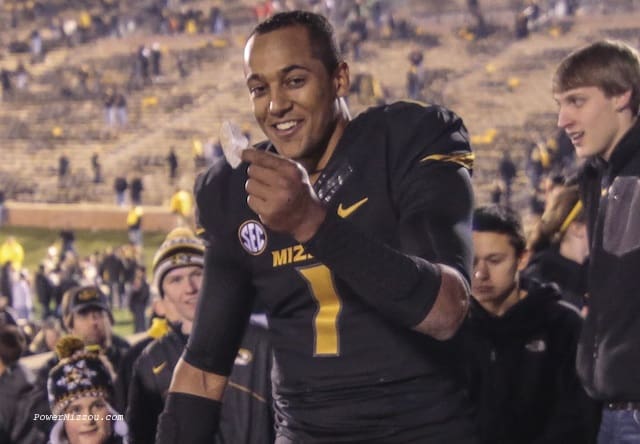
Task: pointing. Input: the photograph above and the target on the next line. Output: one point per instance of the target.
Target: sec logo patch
(253, 237)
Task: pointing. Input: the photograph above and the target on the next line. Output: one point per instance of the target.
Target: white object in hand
(233, 143)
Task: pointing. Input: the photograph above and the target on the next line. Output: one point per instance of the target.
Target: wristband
(401, 287)
(189, 419)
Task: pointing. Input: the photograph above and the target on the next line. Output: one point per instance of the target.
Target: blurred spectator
(135, 191)
(172, 161)
(120, 104)
(111, 273)
(538, 163)
(5, 81)
(415, 76)
(496, 191)
(83, 77)
(17, 394)
(212, 150)
(89, 267)
(508, 171)
(44, 290)
(130, 259)
(96, 167)
(181, 65)
(21, 294)
(134, 225)
(156, 60)
(139, 298)
(6, 284)
(197, 151)
(120, 187)
(142, 66)
(22, 76)
(217, 22)
(63, 170)
(67, 240)
(356, 33)
(82, 384)
(368, 89)
(36, 46)
(182, 206)
(109, 103)
(11, 251)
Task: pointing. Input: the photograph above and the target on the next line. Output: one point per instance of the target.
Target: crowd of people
(343, 286)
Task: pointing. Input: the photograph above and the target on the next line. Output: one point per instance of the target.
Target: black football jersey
(343, 370)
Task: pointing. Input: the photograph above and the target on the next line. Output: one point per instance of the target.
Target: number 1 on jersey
(325, 322)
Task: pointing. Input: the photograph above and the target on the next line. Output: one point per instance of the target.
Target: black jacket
(549, 265)
(125, 373)
(17, 404)
(609, 351)
(521, 372)
(246, 415)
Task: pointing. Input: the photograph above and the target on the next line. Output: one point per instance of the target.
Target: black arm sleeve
(401, 287)
(224, 308)
(434, 201)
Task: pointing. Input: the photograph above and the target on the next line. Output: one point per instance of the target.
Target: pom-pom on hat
(81, 372)
(181, 248)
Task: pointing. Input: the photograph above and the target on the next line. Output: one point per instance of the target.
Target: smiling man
(177, 277)
(355, 236)
(597, 89)
(343, 230)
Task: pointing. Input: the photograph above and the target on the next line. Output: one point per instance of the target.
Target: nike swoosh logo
(159, 368)
(346, 212)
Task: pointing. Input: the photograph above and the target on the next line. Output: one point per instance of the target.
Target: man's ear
(523, 260)
(621, 101)
(341, 80)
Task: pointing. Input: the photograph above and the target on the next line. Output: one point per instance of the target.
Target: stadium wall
(84, 216)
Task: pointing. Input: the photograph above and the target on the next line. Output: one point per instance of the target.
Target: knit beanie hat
(81, 372)
(181, 248)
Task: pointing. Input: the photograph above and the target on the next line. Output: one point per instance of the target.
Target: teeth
(286, 125)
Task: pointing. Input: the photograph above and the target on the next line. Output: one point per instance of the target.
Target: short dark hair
(324, 45)
(502, 220)
(611, 65)
(12, 344)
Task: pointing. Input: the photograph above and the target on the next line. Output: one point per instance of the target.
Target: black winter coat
(521, 372)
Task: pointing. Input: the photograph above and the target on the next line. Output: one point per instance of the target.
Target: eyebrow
(491, 256)
(571, 95)
(286, 70)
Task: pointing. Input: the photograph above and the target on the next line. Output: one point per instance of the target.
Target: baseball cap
(83, 297)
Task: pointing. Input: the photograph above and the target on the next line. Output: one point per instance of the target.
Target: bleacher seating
(496, 83)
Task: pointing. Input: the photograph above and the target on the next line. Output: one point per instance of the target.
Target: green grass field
(35, 242)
